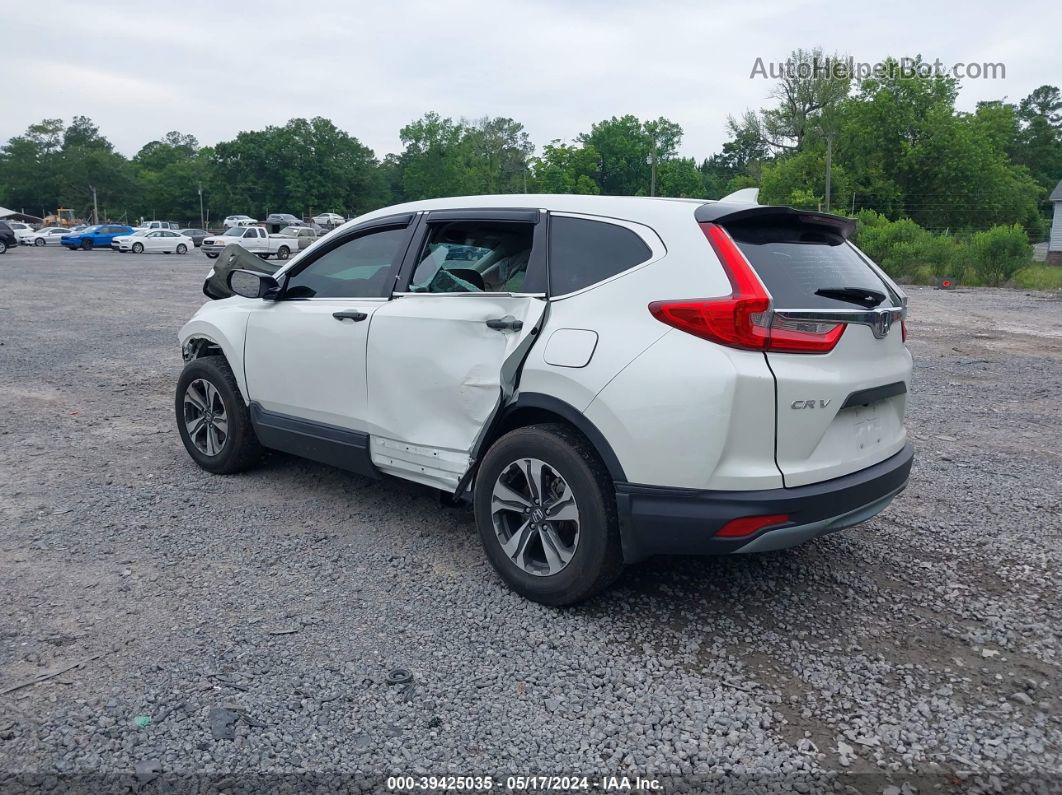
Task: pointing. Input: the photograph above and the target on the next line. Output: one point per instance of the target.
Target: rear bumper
(656, 520)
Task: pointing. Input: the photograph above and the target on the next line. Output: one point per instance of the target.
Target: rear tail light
(744, 318)
(747, 525)
(903, 330)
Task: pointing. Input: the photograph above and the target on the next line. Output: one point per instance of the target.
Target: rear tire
(562, 561)
(214, 422)
(283, 252)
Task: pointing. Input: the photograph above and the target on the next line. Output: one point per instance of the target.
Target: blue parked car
(100, 235)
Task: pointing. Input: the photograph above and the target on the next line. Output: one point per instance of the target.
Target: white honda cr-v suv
(605, 378)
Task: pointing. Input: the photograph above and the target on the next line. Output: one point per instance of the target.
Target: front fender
(223, 323)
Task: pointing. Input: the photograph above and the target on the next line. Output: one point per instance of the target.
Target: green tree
(498, 153)
(87, 162)
(1039, 138)
(800, 180)
(566, 168)
(435, 159)
(633, 154)
(29, 168)
(680, 177)
(171, 171)
(808, 90)
(303, 167)
(623, 151)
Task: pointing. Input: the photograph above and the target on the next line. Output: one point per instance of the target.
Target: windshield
(234, 231)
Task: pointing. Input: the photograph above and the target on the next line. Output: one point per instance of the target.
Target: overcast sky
(555, 66)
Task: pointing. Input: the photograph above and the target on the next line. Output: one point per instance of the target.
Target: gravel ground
(918, 652)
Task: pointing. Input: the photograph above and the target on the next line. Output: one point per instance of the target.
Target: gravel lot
(920, 651)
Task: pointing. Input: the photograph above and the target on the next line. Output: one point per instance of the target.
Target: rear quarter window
(584, 252)
(795, 259)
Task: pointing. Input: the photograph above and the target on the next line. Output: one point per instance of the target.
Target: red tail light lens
(741, 319)
(903, 330)
(747, 525)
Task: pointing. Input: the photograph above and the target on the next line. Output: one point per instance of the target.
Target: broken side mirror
(253, 285)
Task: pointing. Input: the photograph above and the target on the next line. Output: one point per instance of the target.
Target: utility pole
(652, 165)
(829, 164)
(95, 212)
(202, 218)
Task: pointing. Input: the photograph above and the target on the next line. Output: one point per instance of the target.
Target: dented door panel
(437, 372)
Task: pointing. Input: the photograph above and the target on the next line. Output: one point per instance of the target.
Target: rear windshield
(795, 259)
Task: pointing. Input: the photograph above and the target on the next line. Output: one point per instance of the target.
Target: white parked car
(23, 232)
(238, 220)
(46, 236)
(154, 241)
(675, 377)
(328, 219)
(254, 239)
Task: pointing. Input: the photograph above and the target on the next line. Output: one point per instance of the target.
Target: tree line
(896, 144)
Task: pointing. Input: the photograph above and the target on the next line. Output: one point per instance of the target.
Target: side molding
(317, 441)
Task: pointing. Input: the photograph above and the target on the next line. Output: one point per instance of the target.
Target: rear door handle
(350, 314)
(507, 323)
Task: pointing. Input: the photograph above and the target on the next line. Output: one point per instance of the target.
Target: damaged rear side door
(444, 354)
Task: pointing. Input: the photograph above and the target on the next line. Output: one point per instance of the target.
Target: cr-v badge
(809, 404)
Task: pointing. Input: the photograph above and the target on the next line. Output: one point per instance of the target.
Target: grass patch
(1039, 277)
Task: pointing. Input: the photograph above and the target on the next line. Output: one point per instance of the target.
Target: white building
(1054, 240)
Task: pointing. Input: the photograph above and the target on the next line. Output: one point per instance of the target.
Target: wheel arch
(532, 408)
(199, 339)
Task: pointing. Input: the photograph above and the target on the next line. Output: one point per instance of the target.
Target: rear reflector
(747, 525)
(743, 318)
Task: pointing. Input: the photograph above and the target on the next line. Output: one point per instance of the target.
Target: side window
(583, 252)
(358, 268)
(473, 257)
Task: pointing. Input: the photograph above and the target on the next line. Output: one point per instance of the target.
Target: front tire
(212, 418)
(3, 247)
(212, 256)
(546, 513)
(138, 248)
(182, 248)
(40, 241)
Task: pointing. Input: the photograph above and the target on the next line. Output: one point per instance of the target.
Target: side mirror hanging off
(253, 285)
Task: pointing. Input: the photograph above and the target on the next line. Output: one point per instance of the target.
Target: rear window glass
(584, 252)
(795, 260)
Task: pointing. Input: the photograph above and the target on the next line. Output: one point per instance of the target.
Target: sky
(557, 67)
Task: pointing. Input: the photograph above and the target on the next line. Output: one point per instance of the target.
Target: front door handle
(350, 314)
(507, 323)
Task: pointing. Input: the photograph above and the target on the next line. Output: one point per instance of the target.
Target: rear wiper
(854, 295)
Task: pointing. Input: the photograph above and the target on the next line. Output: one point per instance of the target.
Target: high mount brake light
(743, 318)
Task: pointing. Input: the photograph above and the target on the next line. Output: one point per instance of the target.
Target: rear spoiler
(723, 212)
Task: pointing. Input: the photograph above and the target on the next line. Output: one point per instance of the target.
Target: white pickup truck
(252, 238)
